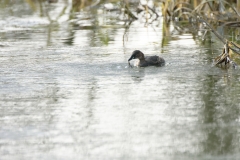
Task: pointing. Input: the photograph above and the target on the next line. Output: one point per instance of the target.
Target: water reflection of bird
(145, 61)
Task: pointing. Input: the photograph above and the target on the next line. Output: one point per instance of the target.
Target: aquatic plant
(203, 15)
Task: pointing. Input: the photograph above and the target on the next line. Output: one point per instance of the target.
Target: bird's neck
(142, 58)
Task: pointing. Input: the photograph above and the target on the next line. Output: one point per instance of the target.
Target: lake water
(67, 92)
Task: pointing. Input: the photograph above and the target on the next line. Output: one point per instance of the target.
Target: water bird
(145, 61)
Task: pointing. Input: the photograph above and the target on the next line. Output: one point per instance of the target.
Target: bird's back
(155, 61)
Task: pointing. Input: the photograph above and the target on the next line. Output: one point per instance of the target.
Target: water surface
(67, 92)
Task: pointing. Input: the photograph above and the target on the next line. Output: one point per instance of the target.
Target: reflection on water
(221, 111)
(67, 92)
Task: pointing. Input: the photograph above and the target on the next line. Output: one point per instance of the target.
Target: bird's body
(145, 61)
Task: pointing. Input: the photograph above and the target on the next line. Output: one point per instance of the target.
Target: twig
(216, 33)
(147, 7)
(129, 13)
(219, 36)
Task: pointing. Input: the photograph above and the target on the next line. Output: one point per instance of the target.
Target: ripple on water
(67, 92)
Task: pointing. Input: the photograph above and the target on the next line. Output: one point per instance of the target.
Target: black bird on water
(145, 61)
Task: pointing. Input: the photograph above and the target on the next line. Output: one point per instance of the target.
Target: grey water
(67, 92)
